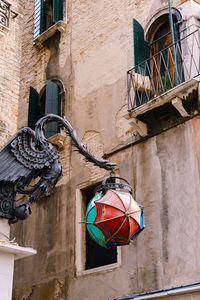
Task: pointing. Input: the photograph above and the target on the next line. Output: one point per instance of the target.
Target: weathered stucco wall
(91, 58)
(165, 177)
(166, 182)
(10, 58)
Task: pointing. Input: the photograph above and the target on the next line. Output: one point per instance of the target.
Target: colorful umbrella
(114, 219)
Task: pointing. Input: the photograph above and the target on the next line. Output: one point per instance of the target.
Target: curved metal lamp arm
(39, 134)
(28, 155)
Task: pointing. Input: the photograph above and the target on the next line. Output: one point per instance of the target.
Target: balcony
(4, 13)
(167, 76)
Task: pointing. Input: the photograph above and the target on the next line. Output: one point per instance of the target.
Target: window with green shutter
(48, 102)
(141, 47)
(34, 109)
(141, 54)
(52, 106)
(57, 10)
(47, 13)
(40, 17)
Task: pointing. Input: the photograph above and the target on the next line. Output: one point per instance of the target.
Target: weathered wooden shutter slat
(141, 47)
(52, 105)
(34, 110)
(40, 17)
(37, 18)
(57, 10)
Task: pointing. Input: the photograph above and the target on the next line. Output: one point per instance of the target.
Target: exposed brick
(10, 59)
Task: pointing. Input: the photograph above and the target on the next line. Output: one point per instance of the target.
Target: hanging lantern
(113, 217)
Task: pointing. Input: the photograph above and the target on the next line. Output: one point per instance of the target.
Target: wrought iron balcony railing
(4, 13)
(166, 69)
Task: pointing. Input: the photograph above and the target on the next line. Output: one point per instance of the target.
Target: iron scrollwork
(4, 13)
(7, 199)
(29, 156)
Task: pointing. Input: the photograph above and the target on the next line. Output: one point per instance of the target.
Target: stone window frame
(80, 233)
(156, 20)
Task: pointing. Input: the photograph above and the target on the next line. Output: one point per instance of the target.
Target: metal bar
(171, 22)
(160, 38)
(172, 36)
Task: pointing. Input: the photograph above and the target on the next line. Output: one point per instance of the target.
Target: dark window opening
(167, 66)
(96, 256)
(47, 13)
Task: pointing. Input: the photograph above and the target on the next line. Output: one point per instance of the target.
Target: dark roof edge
(135, 296)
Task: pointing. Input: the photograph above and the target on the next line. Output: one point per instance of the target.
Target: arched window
(166, 56)
(48, 101)
(157, 59)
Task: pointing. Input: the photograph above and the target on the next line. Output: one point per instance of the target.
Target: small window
(96, 256)
(90, 257)
(47, 13)
(48, 102)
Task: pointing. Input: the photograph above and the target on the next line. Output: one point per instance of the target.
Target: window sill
(60, 26)
(102, 269)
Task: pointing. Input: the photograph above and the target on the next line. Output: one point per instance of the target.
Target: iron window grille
(4, 13)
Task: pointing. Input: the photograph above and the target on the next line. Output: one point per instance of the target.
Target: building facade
(71, 58)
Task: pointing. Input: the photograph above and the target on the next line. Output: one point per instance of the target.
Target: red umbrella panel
(117, 218)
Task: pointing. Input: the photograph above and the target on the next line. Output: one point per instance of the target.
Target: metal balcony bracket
(14, 14)
(178, 104)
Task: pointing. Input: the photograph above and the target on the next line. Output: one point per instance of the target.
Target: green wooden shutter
(34, 109)
(57, 10)
(40, 17)
(141, 53)
(52, 106)
(141, 47)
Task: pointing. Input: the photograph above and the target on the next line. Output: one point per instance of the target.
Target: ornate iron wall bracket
(27, 156)
(4, 13)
